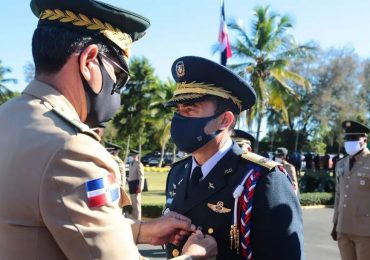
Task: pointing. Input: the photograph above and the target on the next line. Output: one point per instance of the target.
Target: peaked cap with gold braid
(240, 137)
(198, 78)
(120, 27)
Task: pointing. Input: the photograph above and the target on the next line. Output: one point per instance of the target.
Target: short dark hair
(52, 46)
(222, 106)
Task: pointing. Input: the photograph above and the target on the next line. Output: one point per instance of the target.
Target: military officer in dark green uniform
(245, 201)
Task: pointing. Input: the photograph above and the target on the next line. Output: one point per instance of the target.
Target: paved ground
(318, 243)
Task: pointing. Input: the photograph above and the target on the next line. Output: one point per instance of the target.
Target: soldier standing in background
(244, 140)
(114, 150)
(136, 184)
(281, 157)
(352, 198)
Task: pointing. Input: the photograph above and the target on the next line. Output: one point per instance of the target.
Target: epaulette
(81, 127)
(340, 159)
(260, 160)
(180, 160)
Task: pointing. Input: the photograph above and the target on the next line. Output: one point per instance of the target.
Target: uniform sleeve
(277, 230)
(337, 195)
(83, 232)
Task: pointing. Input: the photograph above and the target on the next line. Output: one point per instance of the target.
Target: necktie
(196, 176)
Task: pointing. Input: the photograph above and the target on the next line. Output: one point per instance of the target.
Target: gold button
(175, 252)
(210, 231)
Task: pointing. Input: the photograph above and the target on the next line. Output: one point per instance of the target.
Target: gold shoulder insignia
(81, 127)
(260, 160)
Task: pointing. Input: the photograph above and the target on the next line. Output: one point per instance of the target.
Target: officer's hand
(169, 228)
(334, 232)
(200, 246)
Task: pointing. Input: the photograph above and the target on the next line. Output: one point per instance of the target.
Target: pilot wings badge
(218, 208)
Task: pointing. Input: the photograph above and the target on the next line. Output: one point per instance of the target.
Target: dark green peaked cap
(120, 26)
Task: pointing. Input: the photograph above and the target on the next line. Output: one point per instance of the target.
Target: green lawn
(156, 182)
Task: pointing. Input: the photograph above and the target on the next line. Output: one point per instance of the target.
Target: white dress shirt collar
(211, 162)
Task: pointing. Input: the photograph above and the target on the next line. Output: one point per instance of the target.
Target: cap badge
(180, 69)
(219, 207)
(348, 124)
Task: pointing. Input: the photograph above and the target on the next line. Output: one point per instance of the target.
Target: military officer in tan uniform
(281, 157)
(59, 186)
(352, 199)
(135, 181)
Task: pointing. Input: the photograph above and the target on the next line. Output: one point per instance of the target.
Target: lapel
(214, 181)
(181, 184)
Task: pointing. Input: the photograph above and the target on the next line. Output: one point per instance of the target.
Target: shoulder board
(81, 127)
(181, 160)
(346, 156)
(260, 160)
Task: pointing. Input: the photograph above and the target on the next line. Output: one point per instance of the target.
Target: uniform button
(175, 252)
(347, 186)
(345, 206)
(345, 195)
(210, 231)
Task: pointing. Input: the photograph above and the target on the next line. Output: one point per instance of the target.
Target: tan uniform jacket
(45, 161)
(136, 173)
(292, 173)
(352, 198)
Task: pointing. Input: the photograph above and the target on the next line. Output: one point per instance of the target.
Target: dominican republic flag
(223, 39)
(102, 191)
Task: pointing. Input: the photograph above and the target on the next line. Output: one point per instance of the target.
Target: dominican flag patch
(101, 191)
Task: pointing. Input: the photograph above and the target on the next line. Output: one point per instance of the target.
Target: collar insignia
(218, 208)
(227, 171)
(210, 185)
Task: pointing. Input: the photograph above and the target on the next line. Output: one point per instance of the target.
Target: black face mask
(101, 107)
(188, 132)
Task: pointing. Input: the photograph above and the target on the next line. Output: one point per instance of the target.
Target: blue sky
(191, 27)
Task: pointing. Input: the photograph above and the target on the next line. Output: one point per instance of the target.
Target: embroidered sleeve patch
(101, 191)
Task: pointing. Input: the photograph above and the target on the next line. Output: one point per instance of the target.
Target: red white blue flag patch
(102, 191)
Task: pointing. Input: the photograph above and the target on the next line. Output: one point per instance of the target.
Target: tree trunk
(139, 146)
(127, 148)
(162, 155)
(259, 122)
(296, 141)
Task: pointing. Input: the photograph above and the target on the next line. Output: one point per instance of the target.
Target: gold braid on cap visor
(122, 40)
(186, 91)
(241, 141)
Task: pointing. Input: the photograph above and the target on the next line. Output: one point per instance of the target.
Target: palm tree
(263, 58)
(5, 93)
(161, 114)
